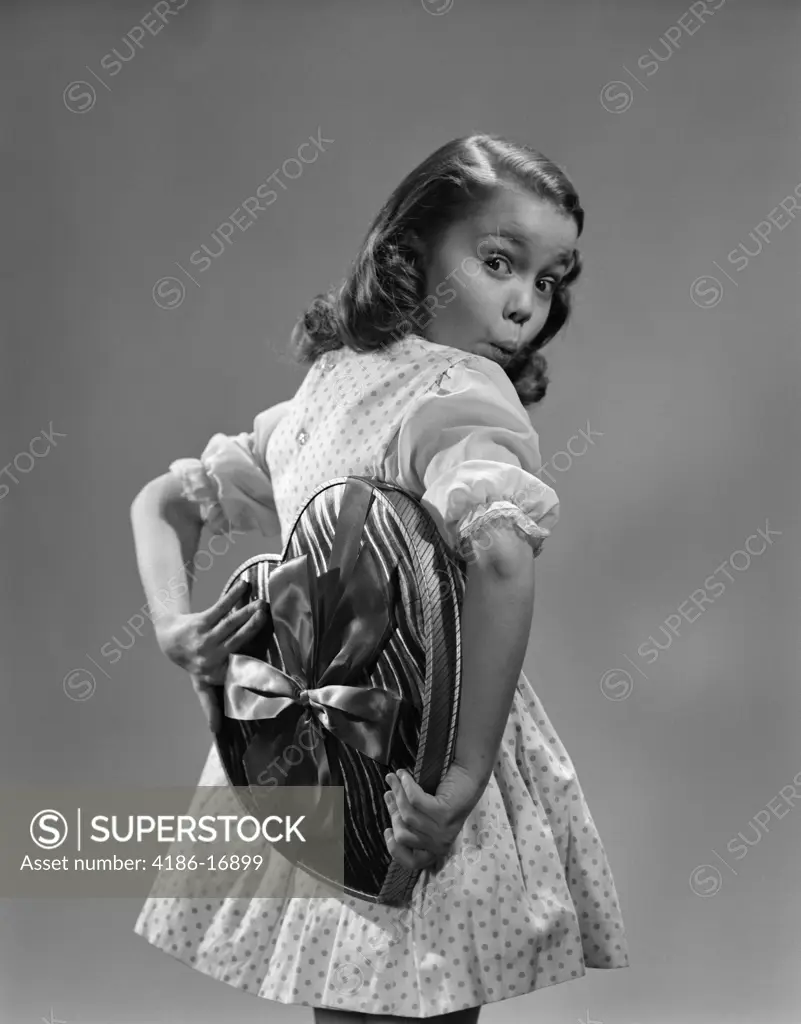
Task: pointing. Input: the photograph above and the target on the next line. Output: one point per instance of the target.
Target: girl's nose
(519, 309)
(519, 317)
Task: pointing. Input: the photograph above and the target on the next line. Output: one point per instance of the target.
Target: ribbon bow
(329, 634)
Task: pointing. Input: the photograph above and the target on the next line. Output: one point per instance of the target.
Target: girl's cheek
(485, 293)
(484, 309)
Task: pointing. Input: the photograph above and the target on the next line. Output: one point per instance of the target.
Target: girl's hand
(201, 643)
(424, 827)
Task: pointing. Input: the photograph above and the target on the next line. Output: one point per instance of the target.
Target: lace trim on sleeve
(197, 486)
(499, 510)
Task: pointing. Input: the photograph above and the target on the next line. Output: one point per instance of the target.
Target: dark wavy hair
(382, 297)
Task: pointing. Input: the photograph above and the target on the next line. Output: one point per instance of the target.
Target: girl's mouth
(502, 354)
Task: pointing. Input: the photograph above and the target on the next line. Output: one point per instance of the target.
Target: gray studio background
(682, 361)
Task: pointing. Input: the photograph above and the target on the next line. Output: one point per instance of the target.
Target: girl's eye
(495, 258)
(551, 281)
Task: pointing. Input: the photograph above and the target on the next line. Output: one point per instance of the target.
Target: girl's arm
(495, 626)
(495, 622)
(167, 529)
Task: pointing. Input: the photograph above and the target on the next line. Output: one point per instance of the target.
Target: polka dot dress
(526, 898)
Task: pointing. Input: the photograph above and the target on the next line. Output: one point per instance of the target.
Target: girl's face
(491, 276)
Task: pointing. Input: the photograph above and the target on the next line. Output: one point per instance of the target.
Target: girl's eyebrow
(564, 257)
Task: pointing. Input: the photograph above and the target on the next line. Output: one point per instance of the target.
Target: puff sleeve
(468, 447)
(231, 480)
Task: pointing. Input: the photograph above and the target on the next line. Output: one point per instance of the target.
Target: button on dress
(526, 898)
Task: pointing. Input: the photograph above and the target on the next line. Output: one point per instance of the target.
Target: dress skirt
(525, 900)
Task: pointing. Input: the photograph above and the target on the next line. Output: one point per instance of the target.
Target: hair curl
(381, 299)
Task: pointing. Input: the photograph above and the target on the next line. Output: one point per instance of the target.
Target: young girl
(422, 365)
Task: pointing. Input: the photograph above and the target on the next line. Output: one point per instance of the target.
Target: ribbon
(329, 634)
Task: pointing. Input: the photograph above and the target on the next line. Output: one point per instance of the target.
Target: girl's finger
(408, 837)
(231, 622)
(422, 802)
(412, 860)
(223, 605)
(398, 852)
(414, 801)
(412, 819)
(223, 631)
(246, 632)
